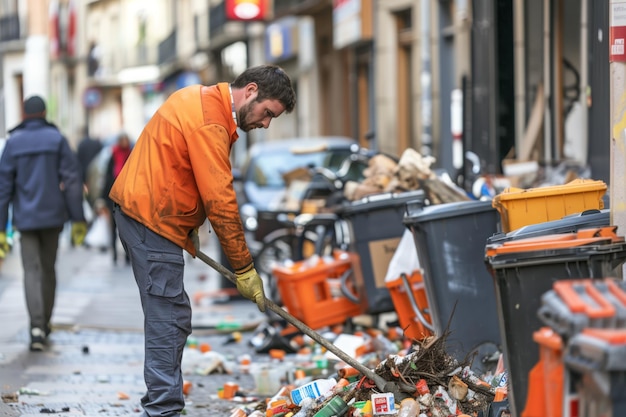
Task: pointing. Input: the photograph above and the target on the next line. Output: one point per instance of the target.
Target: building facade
(503, 80)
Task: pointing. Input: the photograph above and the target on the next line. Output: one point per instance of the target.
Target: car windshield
(266, 170)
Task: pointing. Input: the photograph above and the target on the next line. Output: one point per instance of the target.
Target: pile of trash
(422, 380)
(412, 172)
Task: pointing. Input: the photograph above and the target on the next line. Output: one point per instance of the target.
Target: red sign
(246, 9)
(617, 32)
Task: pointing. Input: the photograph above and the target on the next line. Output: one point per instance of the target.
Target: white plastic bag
(99, 232)
(87, 211)
(404, 259)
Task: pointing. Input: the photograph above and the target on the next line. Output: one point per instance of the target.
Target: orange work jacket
(179, 172)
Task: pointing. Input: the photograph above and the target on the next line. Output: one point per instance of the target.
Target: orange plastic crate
(413, 327)
(312, 293)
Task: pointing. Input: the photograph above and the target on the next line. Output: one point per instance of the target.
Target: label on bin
(381, 252)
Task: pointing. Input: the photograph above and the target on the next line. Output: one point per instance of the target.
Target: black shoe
(37, 339)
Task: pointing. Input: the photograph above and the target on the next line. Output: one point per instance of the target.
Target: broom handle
(378, 380)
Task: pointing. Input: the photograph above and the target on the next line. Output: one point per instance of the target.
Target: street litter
(10, 397)
(204, 363)
(31, 391)
(302, 385)
(54, 411)
(396, 375)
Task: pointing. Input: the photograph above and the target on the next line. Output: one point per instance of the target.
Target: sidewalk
(96, 349)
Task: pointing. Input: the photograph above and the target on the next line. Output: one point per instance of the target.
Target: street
(94, 364)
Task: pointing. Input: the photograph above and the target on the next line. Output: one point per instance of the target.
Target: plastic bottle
(319, 358)
(409, 408)
(335, 407)
(348, 372)
(313, 389)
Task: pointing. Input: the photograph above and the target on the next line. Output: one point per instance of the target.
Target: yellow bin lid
(522, 207)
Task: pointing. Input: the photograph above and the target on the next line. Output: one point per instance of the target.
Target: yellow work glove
(4, 245)
(195, 239)
(250, 285)
(79, 231)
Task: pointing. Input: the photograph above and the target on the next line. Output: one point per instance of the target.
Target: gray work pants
(39, 253)
(158, 266)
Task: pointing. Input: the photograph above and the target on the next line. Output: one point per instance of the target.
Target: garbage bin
(450, 240)
(524, 269)
(520, 207)
(546, 391)
(376, 227)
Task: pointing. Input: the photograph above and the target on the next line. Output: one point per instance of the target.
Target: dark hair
(273, 83)
(34, 106)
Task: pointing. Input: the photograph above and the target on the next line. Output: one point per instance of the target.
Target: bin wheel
(347, 292)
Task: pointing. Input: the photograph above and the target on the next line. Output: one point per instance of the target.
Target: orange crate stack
(409, 321)
(311, 291)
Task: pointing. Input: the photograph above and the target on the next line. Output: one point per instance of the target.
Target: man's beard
(242, 115)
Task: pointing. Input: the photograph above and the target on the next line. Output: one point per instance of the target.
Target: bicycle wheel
(279, 246)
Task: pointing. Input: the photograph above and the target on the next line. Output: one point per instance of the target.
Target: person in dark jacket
(88, 148)
(119, 154)
(39, 176)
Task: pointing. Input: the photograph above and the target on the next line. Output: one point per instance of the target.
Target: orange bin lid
(598, 235)
(611, 336)
(576, 304)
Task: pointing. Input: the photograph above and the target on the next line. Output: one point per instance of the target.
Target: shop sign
(352, 22)
(281, 40)
(92, 97)
(617, 34)
(246, 9)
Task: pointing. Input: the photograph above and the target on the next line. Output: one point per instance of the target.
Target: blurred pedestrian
(87, 149)
(39, 175)
(119, 154)
(5, 247)
(177, 176)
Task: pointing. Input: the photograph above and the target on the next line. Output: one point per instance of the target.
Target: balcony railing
(167, 48)
(115, 60)
(217, 19)
(9, 28)
(287, 7)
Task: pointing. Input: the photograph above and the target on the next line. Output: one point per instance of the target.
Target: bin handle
(343, 285)
(498, 408)
(416, 310)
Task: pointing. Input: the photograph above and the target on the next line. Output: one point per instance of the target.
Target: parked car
(261, 186)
